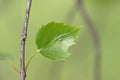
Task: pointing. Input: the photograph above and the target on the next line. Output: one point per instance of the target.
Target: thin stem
(23, 40)
(14, 67)
(94, 34)
(30, 59)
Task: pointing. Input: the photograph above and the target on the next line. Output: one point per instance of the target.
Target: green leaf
(5, 56)
(54, 40)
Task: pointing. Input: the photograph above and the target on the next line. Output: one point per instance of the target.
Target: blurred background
(104, 15)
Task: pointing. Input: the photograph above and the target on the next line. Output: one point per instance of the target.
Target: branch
(94, 34)
(24, 36)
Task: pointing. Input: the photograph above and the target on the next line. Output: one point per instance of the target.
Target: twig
(24, 36)
(94, 34)
(14, 67)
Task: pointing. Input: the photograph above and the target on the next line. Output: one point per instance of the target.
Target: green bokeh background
(105, 14)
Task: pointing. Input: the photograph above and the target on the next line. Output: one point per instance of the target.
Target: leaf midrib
(77, 29)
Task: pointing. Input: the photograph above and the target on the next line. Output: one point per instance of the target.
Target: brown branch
(24, 36)
(94, 34)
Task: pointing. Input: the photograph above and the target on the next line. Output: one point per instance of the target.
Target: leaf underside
(54, 40)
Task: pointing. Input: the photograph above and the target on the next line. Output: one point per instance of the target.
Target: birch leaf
(54, 39)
